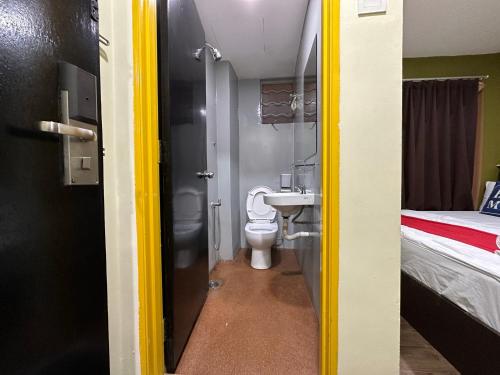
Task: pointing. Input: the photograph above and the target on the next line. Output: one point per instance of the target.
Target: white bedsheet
(466, 275)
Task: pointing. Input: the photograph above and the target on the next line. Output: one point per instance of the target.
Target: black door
(184, 193)
(53, 308)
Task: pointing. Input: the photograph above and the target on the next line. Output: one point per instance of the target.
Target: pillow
(492, 206)
(489, 188)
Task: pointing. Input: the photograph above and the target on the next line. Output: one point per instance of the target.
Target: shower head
(215, 52)
(217, 56)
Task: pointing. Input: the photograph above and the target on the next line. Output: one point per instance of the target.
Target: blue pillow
(492, 205)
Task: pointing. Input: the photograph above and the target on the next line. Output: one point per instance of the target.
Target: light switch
(86, 163)
(372, 6)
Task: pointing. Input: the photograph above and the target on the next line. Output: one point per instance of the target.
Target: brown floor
(419, 357)
(258, 322)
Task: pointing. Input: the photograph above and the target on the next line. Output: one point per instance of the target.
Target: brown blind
(310, 102)
(275, 102)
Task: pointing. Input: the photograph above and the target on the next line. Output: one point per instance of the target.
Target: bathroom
(184, 185)
(255, 86)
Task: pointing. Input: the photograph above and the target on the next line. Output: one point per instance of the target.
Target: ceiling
(451, 27)
(259, 37)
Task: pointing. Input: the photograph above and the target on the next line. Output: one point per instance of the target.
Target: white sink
(291, 203)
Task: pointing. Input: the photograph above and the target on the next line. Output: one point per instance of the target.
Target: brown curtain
(477, 185)
(439, 135)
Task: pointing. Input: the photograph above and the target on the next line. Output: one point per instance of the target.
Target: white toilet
(261, 230)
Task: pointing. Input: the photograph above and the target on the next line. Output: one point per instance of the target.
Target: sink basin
(290, 203)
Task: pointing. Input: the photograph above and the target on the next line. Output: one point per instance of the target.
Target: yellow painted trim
(147, 186)
(330, 102)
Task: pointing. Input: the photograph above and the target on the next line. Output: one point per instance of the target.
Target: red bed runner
(483, 240)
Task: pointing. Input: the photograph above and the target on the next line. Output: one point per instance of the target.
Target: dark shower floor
(258, 322)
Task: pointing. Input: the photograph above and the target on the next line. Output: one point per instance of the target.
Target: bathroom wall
(235, 161)
(119, 192)
(308, 250)
(212, 184)
(370, 189)
(228, 157)
(264, 152)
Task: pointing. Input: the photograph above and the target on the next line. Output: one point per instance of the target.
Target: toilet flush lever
(205, 174)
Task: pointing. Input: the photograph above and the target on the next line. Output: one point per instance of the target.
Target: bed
(451, 289)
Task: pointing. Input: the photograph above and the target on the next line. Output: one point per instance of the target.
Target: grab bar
(73, 131)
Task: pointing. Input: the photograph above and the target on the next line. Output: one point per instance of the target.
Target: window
(275, 100)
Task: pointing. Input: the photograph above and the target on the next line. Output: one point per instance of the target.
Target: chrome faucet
(300, 189)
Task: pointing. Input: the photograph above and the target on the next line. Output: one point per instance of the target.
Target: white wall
(212, 184)
(370, 188)
(235, 160)
(308, 250)
(264, 152)
(228, 157)
(119, 203)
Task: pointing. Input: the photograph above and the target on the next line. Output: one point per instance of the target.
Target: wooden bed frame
(468, 344)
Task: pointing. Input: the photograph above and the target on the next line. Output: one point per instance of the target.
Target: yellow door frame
(147, 185)
(330, 162)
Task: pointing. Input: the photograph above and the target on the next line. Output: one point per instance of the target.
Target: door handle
(205, 174)
(73, 131)
(216, 204)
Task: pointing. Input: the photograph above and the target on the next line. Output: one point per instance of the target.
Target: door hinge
(161, 151)
(164, 330)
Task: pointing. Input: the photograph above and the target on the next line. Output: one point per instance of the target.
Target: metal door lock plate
(81, 158)
(79, 111)
(81, 155)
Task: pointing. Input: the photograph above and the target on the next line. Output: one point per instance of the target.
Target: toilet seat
(257, 210)
(266, 227)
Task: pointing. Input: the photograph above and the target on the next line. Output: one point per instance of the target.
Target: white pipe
(294, 236)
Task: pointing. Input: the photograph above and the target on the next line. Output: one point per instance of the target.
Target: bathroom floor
(258, 322)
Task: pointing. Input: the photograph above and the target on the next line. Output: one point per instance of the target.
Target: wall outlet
(372, 6)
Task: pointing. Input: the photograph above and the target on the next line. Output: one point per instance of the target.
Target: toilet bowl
(188, 225)
(261, 230)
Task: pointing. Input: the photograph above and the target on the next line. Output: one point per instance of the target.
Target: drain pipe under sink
(294, 236)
